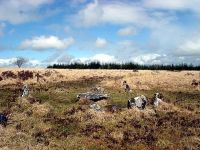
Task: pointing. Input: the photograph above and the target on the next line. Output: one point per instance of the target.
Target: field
(50, 117)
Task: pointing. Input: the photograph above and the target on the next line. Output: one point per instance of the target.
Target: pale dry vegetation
(51, 118)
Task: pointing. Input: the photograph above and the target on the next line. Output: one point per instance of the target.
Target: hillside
(51, 118)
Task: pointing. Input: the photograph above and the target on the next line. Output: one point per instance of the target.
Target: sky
(66, 31)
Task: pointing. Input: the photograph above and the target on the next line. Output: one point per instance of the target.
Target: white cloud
(65, 59)
(89, 16)
(127, 31)
(103, 58)
(148, 59)
(6, 62)
(100, 42)
(34, 63)
(111, 12)
(19, 11)
(190, 47)
(177, 5)
(169, 4)
(122, 13)
(45, 43)
(9, 62)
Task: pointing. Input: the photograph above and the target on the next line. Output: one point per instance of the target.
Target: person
(38, 76)
(3, 119)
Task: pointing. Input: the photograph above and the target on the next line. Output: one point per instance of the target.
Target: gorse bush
(127, 66)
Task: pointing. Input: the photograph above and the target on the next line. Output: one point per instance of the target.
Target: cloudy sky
(64, 31)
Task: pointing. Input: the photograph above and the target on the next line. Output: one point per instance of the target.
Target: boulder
(92, 96)
(25, 90)
(157, 99)
(95, 107)
(139, 102)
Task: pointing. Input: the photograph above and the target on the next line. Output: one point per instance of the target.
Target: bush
(25, 75)
(8, 74)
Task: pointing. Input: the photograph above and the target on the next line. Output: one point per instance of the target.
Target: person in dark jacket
(3, 119)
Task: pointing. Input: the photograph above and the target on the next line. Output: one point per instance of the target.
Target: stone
(25, 90)
(157, 99)
(95, 107)
(92, 96)
(139, 102)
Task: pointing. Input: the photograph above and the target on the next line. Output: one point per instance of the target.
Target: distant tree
(20, 61)
(127, 66)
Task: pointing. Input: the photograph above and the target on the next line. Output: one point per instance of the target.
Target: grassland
(51, 118)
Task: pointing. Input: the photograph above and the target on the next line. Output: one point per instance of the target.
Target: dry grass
(50, 117)
(166, 80)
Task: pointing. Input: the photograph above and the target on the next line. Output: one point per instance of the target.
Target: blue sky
(64, 31)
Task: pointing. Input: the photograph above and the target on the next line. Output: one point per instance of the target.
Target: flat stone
(92, 96)
(95, 107)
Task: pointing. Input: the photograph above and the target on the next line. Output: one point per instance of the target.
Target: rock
(92, 96)
(139, 102)
(25, 90)
(95, 107)
(157, 99)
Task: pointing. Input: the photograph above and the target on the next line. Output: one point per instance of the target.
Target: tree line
(126, 66)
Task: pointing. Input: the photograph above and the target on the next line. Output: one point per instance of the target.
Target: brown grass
(166, 80)
(50, 117)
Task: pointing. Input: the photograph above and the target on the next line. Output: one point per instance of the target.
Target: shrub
(25, 75)
(8, 74)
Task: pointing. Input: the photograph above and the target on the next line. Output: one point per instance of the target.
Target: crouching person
(126, 87)
(3, 119)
